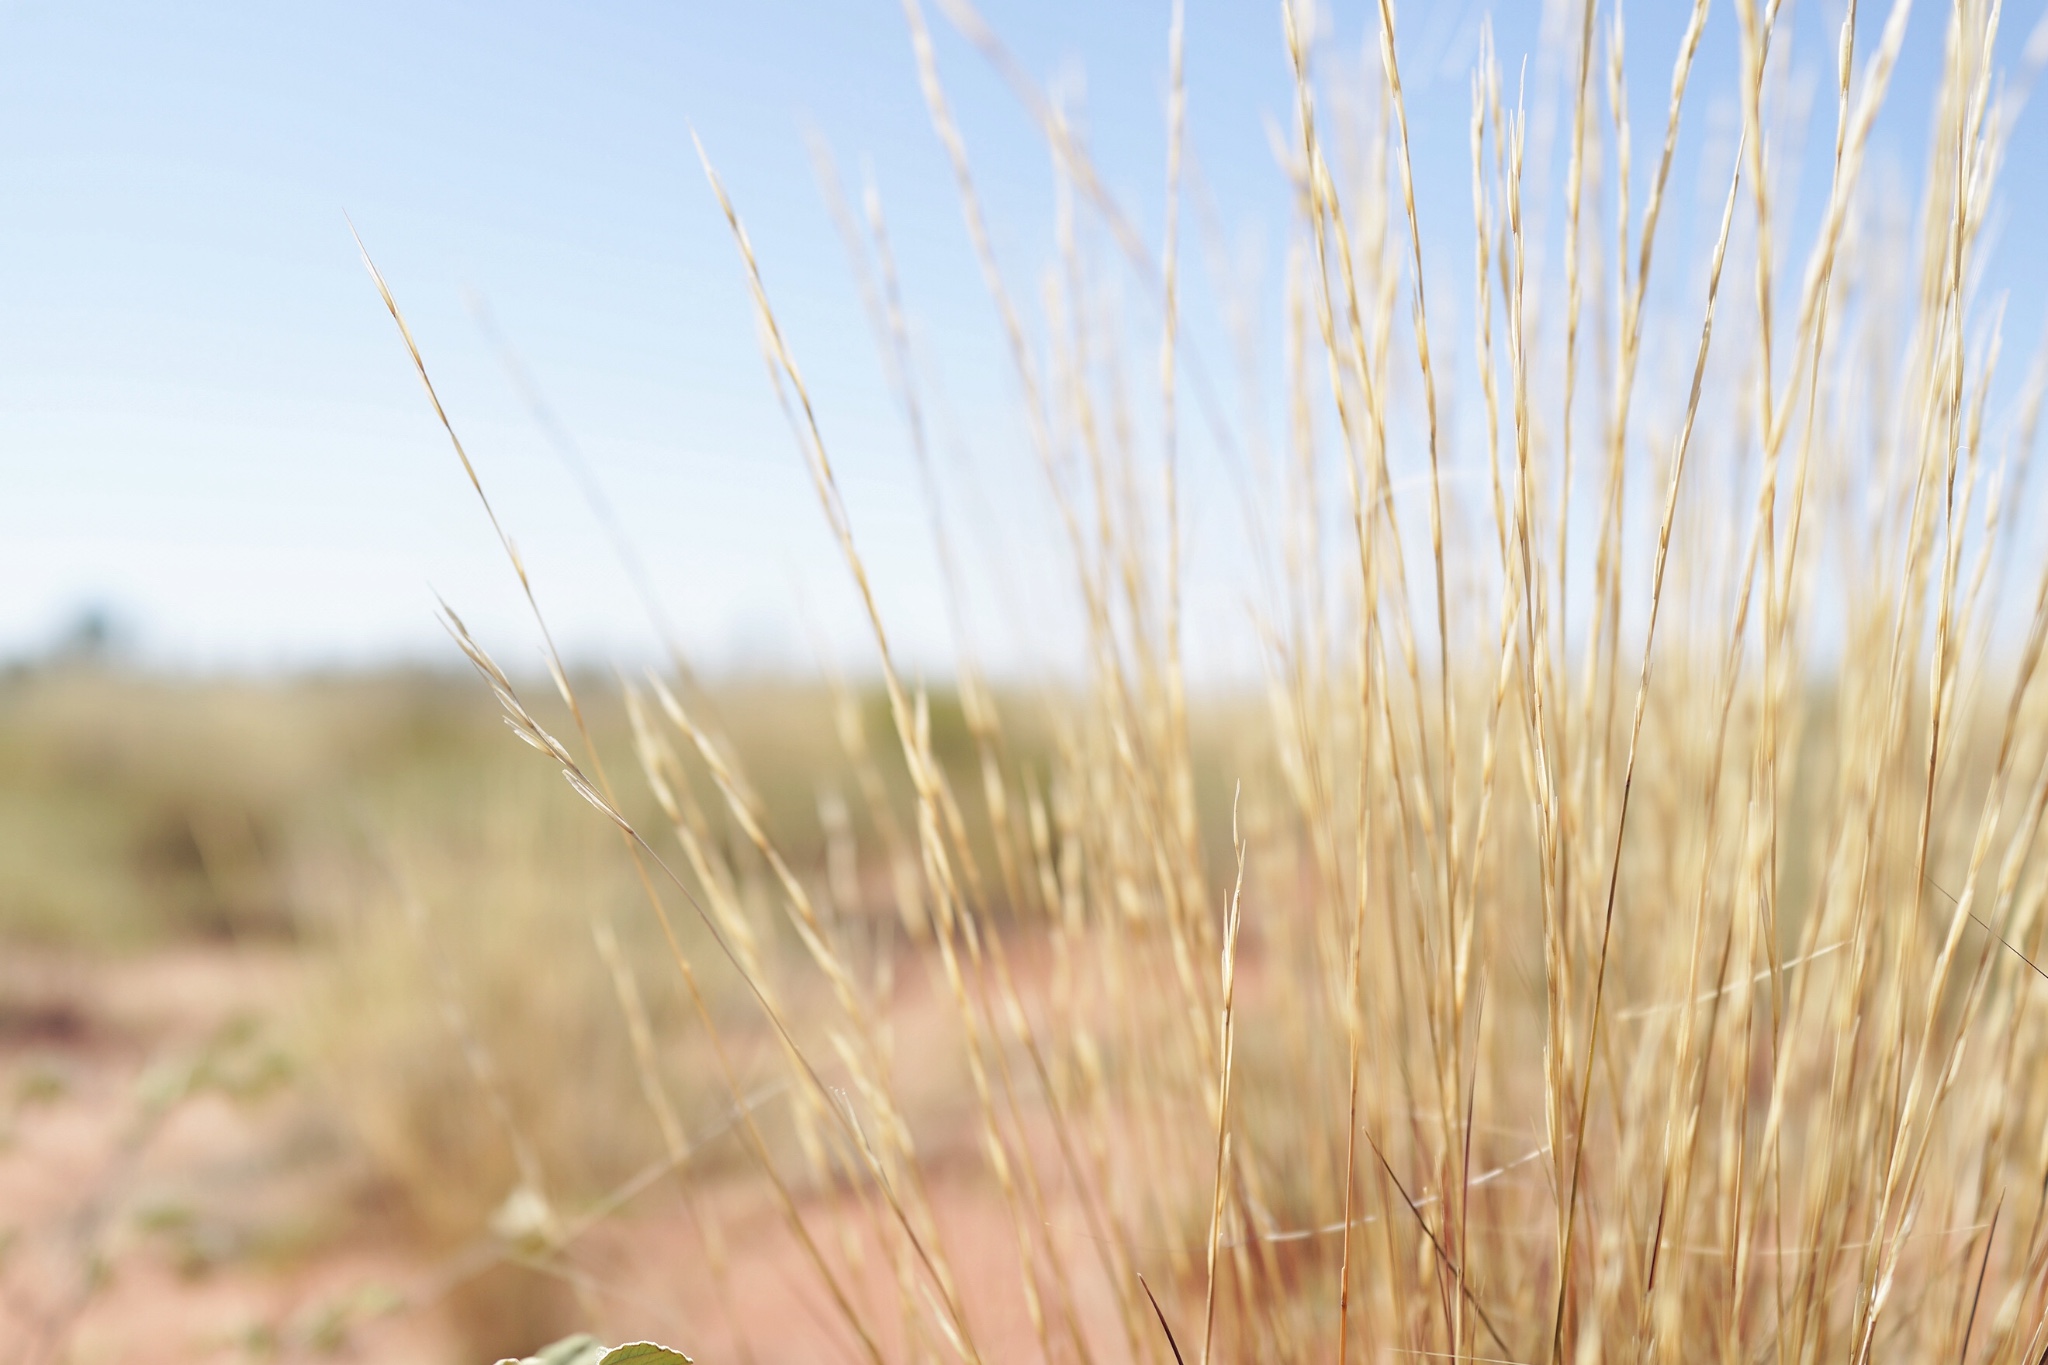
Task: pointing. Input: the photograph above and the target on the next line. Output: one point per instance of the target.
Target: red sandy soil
(172, 1190)
(168, 1189)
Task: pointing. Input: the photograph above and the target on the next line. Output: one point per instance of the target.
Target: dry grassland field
(1598, 917)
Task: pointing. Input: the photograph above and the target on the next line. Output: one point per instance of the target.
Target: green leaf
(581, 1349)
(584, 1349)
(644, 1353)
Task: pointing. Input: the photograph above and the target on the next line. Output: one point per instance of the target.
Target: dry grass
(1614, 953)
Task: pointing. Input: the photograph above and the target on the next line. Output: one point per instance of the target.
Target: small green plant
(584, 1349)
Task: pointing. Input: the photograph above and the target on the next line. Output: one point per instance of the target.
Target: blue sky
(207, 423)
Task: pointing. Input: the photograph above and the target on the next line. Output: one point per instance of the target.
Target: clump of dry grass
(1616, 953)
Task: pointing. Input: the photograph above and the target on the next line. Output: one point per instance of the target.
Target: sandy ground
(168, 1190)
(173, 1190)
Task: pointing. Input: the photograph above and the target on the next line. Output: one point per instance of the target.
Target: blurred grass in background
(148, 810)
(144, 810)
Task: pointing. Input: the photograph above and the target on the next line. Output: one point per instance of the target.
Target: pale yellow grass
(1630, 957)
